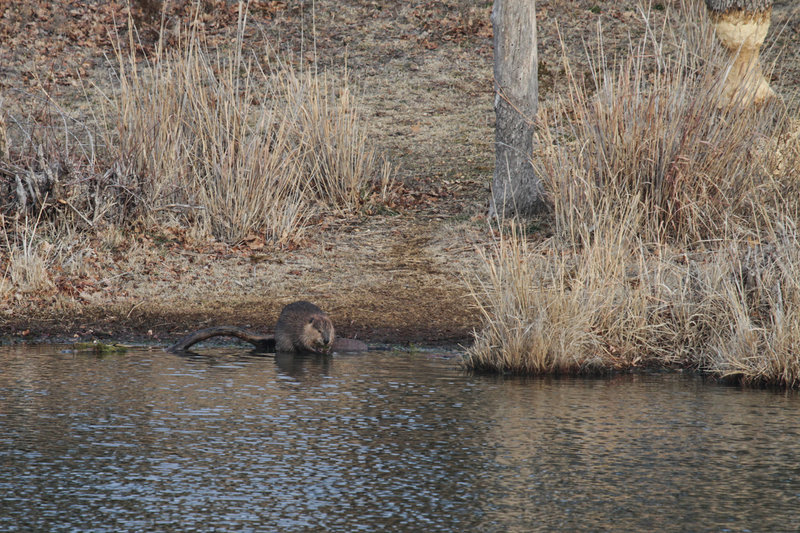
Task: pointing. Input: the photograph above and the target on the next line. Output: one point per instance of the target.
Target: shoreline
(392, 272)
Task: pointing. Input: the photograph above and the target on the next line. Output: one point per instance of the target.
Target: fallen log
(263, 343)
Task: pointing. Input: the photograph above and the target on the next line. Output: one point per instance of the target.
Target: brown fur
(304, 327)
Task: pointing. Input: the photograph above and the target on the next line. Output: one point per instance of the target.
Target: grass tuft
(220, 142)
(27, 259)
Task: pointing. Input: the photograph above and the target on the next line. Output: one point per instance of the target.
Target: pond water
(383, 441)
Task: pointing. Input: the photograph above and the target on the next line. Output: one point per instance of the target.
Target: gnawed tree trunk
(741, 27)
(515, 187)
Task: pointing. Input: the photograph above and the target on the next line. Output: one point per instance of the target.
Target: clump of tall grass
(618, 303)
(26, 257)
(533, 324)
(34, 256)
(214, 140)
(652, 127)
(675, 242)
(555, 308)
(758, 293)
(337, 158)
(220, 142)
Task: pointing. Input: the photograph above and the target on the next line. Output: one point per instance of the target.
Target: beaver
(303, 327)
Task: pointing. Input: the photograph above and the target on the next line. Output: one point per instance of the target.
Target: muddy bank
(385, 281)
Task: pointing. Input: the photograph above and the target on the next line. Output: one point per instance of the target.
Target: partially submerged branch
(265, 343)
(262, 343)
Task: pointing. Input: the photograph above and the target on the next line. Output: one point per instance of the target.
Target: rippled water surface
(381, 442)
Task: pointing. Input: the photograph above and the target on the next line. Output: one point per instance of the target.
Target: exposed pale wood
(741, 27)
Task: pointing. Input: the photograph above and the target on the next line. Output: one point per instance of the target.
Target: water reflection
(228, 440)
(303, 367)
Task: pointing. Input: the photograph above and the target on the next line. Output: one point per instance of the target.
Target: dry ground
(424, 70)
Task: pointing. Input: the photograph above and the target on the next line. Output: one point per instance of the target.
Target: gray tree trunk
(741, 27)
(515, 188)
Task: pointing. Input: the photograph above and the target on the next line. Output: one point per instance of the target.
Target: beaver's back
(303, 327)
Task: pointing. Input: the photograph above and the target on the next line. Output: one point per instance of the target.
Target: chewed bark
(742, 32)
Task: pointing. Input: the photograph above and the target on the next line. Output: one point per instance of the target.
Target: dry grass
(617, 303)
(217, 143)
(4, 146)
(27, 261)
(651, 127)
(338, 161)
(235, 149)
(676, 241)
(757, 292)
(37, 252)
(555, 308)
(533, 323)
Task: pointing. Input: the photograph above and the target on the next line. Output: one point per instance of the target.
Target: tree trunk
(515, 187)
(741, 26)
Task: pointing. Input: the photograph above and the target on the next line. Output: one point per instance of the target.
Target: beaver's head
(318, 334)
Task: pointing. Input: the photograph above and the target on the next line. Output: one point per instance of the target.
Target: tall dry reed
(220, 142)
(651, 126)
